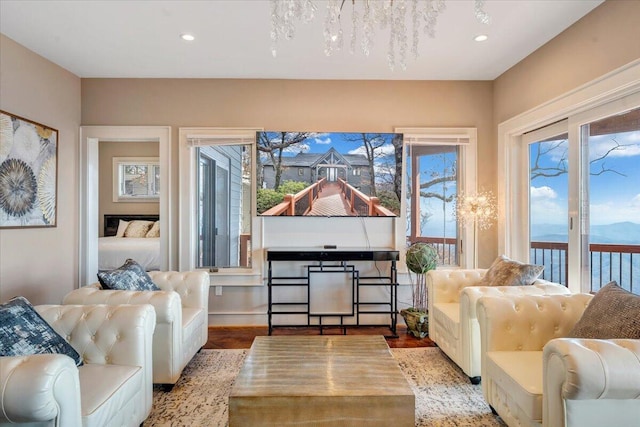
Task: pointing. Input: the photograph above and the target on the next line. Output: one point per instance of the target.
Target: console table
(333, 261)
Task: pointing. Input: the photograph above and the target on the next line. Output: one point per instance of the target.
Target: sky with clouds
(345, 143)
(614, 182)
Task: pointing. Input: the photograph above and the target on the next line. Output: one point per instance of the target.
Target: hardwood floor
(229, 337)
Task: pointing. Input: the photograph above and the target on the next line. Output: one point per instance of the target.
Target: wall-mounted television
(329, 174)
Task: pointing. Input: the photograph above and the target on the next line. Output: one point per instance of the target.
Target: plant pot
(417, 322)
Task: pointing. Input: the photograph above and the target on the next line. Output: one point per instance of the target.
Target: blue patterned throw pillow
(23, 332)
(128, 277)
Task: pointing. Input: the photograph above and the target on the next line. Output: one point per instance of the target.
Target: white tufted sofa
(533, 376)
(453, 323)
(182, 316)
(113, 388)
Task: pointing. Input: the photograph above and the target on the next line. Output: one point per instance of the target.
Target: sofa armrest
(589, 370)
(166, 303)
(192, 286)
(40, 388)
(550, 288)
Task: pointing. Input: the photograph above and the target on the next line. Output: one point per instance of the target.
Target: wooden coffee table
(321, 381)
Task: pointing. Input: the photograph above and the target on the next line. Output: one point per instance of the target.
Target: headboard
(111, 221)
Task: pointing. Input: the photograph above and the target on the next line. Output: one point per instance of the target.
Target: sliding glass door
(213, 209)
(548, 229)
(583, 199)
(610, 195)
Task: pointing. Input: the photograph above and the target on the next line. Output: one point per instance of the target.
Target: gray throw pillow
(612, 313)
(506, 272)
(24, 332)
(128, 277)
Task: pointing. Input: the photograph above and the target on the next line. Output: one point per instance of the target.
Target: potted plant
(420, 258)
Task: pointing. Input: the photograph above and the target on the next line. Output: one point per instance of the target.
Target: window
(438, 164)
(596, 164)
(217, 198)
(548, 186)
(569, 189)
(136, 179)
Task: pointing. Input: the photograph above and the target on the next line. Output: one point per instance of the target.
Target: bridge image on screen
(328, 174)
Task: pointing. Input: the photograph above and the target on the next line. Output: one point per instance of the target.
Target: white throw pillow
(122, 227)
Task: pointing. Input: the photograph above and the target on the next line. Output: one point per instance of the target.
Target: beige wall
(107, 150)
(602, 41)
(372, 106)
(42, 263)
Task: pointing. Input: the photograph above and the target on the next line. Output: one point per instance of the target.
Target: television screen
(329, 174)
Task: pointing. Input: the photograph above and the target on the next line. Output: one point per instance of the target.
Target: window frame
(119, 163)
(188, 223)
(467, 182)
(594, 99)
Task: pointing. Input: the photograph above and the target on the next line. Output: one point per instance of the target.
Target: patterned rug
(444, 395)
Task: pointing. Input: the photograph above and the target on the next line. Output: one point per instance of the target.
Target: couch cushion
(128, 277)
(448, 316)
(106, 389)
(519, 375)
(25, 332)
(612, 313)
(507, 272)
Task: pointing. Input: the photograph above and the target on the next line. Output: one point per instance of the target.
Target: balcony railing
(608, 262)
(446, 247)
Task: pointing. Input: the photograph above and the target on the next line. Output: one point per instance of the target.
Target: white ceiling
(141, 39)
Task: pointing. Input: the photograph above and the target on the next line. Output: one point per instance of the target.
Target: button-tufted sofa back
(527, 322)
(183, 283)
(447, 284)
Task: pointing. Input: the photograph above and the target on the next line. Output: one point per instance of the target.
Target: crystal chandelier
(366, 16)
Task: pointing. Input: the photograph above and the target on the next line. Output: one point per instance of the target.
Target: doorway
(90, 136)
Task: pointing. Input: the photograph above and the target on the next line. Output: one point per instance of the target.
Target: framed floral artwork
(28, 173)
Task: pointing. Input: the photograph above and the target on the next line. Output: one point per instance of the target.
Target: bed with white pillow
(130, 236)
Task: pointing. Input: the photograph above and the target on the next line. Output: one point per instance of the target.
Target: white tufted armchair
(113, 388)
(182, 316)
(590, 383)
(533, 376)
(453, 323)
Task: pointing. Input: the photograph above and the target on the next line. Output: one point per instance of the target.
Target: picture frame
(28, 173)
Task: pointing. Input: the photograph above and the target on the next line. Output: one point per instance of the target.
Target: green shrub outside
(389, 200)
(268, 198)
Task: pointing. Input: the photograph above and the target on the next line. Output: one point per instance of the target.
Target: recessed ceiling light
(187, 37)
(481, 37)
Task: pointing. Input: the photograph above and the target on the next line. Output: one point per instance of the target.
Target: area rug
(444, 395)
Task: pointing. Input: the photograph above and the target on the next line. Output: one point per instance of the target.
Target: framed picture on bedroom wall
(136, 179)
(28, 173)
